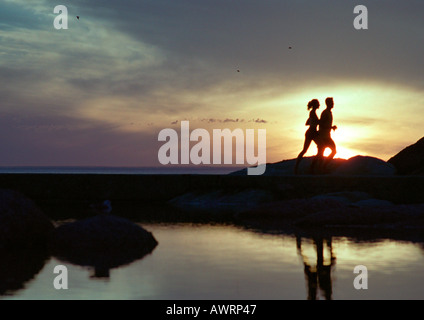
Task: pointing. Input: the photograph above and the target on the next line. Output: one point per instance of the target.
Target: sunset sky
(98, 93)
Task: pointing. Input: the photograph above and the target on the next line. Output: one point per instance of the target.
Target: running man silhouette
(312, 133)
(324, 133)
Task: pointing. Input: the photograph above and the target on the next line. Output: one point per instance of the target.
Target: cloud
(258, 120)
(254, 36)
(359, 121)
(64, 141)
(237, 120)
(135, 65)
(160, 52)
(15, 16)
(375, 147)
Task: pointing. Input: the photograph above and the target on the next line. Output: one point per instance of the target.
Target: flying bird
(290, 47)
(78, 17)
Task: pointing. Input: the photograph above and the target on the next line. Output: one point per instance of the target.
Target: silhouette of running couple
(321, 137)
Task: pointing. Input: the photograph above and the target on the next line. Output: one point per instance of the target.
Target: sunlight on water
(227, 262)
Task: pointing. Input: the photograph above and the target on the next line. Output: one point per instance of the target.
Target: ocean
(217, 170)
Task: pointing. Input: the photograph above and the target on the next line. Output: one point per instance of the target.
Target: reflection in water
(101, 272)
(318, 274)
(19, 266)
(222, 262)
(104, 242)
(102, 262)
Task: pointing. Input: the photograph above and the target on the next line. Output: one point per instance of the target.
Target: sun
(342, 153)
(343, 137)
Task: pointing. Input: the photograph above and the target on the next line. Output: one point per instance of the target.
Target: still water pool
(198, 261)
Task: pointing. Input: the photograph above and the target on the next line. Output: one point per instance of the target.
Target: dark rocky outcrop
(364, 165)
(283, 213)
(347, 209)
(19, 266)
(288, 211)
(410, 161)
(103, 241)
(222, 202)
(286, 167)
(355, 166)
(22, 223)
(386, 216)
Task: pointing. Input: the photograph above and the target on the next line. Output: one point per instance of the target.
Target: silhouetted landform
(211, 198)
(336, 210)
(20, 266)
(22, 223)
(358, 165)
(351, 193)
(222, 201)
(410, 161)
(103, 241)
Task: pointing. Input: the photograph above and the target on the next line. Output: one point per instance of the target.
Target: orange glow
(342, 153)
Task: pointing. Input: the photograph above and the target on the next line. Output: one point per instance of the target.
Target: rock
(410, 160)
(337, 209)
(103, 241)
(221, 201)
(22, 223)
(355, 166)
(369, 166)
(286, 167)
(386, 216)
(297, 208)
(372, 203)
(18, 266)
(290, 209)
(346, 197)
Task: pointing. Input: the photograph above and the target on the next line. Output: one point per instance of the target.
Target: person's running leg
(332, 146)
(302, 153)
(316, 163)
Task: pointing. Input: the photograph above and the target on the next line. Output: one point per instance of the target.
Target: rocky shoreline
(361, 192)
(149, 189)
(210, 198)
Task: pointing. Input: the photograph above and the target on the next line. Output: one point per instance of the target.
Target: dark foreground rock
(22, 223)
(410, 160)
(391, 217)
(366, 166)
(342, 209)
(103, 241)
(355, 166)
(19, 266)
(220, 202)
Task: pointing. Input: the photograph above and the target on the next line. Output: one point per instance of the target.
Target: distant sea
(122, 170)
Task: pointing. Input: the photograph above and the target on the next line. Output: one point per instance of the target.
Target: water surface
(194, 261)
